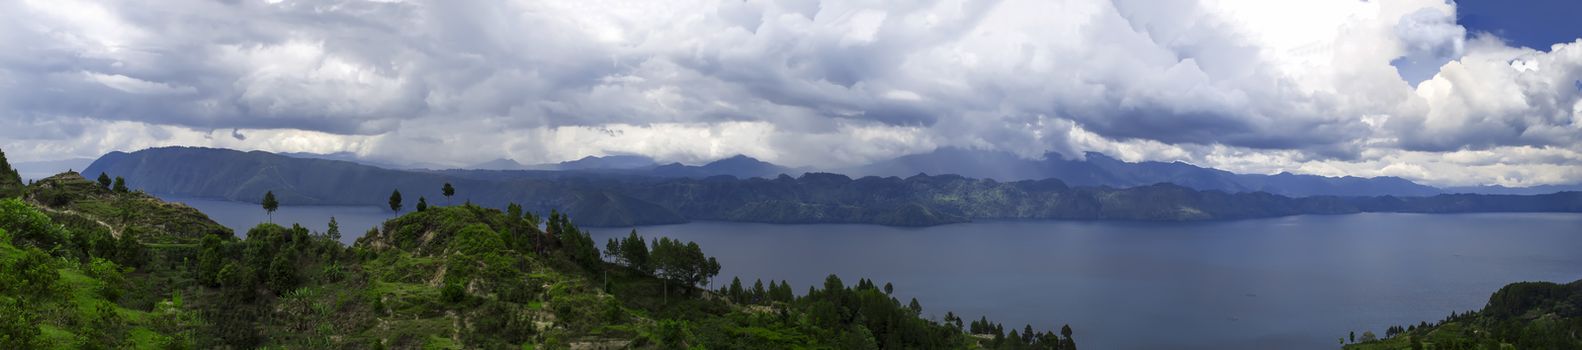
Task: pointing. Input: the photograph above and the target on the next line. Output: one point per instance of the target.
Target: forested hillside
(1523, 315)
(91, 268)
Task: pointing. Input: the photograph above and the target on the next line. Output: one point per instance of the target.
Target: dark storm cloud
(1025, 76)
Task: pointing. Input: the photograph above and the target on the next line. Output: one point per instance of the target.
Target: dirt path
(113, 231)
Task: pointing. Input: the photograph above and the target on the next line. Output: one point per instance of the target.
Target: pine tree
(334, 233)
(270, 205)
(120, 185)
(395, 201)
(422, 203)
(104, 181)
(10, 180)
(735, 290)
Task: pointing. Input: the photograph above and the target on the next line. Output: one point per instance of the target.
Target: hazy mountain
(37, 170)
(498, 164)
(1497, 189)
(615, 199)
(739, 166)
(1096, 169)
(606, 163)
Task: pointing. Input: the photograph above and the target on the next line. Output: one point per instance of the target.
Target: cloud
(1333, 87)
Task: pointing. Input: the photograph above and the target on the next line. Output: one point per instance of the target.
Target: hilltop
(447, 277)
(69, 196)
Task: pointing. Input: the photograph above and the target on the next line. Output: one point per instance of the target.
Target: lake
(1298, 282)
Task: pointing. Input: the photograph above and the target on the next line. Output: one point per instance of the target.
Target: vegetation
(445, 277)
(72, 200)
(10, 180)
(1523, 315)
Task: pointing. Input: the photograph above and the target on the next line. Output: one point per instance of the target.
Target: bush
(28, 226)
(110, 274)
(35, 277)
(18, 326)
(453, 293)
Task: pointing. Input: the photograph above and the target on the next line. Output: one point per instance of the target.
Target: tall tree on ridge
(448, 191)
(104, 181)
(270, 205)
(120, 185)
(395, 201)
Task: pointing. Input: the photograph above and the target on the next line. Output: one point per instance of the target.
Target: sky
(1437, 92)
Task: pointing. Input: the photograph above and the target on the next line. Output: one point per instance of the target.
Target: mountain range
(628, 198)
(1096, 169)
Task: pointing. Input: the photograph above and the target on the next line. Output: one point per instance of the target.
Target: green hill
(1523, 315)
(73, 275)
(68, 197)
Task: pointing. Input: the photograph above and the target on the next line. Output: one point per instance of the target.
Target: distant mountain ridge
(1497, 189)
(1100, 170)
(623, 199)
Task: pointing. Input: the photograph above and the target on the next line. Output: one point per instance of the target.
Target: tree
(211, 259)
(10, 181)
(19, 326)
(735, 290)
(282, 273)
(888, 288)
(422, 203)
(334, 233)
(448, 191)
(104, 181)
(758, 292)
(270, 205)
(120, 185)
(1065, 331)
(1368, 336)
(395, 201)
(1353, 336)
(635, 252)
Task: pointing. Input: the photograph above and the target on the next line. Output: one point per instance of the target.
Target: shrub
(453, 293)
(28, 226)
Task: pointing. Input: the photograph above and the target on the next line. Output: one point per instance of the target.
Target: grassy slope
(66, 317)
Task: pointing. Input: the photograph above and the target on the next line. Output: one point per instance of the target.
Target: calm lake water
(1287, 283)
(1298, 282)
